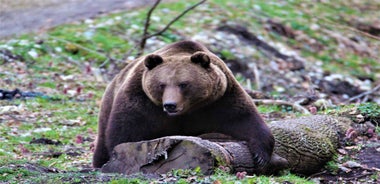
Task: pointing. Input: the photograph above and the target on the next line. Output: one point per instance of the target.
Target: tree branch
(175, 19)
(147, 24)
(364, 94)
(81, 47)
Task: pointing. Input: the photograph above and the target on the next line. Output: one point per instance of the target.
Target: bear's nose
(170, 107)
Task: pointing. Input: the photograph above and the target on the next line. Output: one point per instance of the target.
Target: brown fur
(181, 89)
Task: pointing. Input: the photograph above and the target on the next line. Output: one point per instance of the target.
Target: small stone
(353, 112)
(342, 151)
(359, 118)
(33, 53)
(351, 164)
(344, 169)
(351, 147)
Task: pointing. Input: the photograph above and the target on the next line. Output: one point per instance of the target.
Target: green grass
(18, 174)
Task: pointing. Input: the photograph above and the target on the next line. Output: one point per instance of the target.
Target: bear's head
(183, 83)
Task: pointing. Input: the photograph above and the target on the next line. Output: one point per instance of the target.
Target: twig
(248, 84)
(104, 63)
(350, 28)
(175, 19)
(70, 60)
(364, 93)
(357, 177)
(80, 46)
(257, 76)
(282, 102)
(316, 174)
(346, 179)
(147, 24)
(341, 26)
(16, 118)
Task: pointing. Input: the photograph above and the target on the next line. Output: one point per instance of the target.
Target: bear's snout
(172, 101)
(170, 107)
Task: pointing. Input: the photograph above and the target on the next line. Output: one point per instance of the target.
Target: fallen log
(303, 145)
(178, 152)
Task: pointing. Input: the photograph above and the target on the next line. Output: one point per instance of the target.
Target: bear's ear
(202, 58)
(152, 61)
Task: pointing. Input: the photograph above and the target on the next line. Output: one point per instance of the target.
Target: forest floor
(323, 56)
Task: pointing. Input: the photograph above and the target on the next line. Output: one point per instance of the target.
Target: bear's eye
(182, 85)
(162, 86)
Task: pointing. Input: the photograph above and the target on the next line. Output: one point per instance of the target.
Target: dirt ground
(22, 16)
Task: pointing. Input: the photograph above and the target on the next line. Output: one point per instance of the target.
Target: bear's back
(186, 47)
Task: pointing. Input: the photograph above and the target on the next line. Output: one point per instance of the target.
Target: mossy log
(303, 145)
(307, 143)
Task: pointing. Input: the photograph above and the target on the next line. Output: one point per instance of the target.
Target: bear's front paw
(261, 159)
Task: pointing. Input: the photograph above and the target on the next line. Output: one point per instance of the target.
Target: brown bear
(181, 89)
